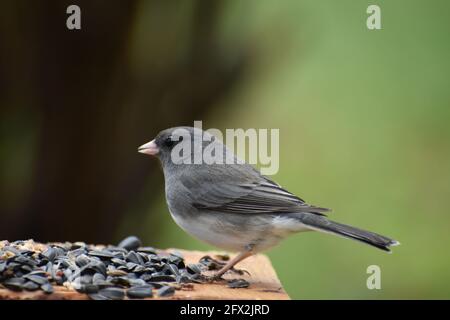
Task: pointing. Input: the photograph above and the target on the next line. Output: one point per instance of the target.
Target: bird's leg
(241, 256)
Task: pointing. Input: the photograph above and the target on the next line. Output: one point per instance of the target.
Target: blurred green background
(364, 129)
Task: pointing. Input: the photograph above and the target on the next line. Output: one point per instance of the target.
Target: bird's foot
(212, 277)
(240, 272)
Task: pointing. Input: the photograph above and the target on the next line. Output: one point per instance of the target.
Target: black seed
(77, 245)
(64, 262)
(103, 284)
(130, 243)
(49, 267)
(86, 279)
(102, 254)
(123, 281)
(13, 265)
(50, 254)
(154, 258)
(88, 288)
(176, 261)
(210, 263)
(30, 286)
(26, 268)
(183, 279)
(165, 278)
(118, 262)
(134, 257)
(97, 266)
(166, 291)
(37, 279)
(146, 277)
(140, 269)
(193, 268)
(117, 250)
(24, 260)
(68, 274)
(143, 256)
(112, 293)
(137, 282)
(131, 265)
(14, 284)
(98, 277)
(117, 273)
(39, 273)
(77, 252)
(147, 250)
(238, 283)
(132, 275)
(59, 251)
(140, 292)
(156, 285)
(97, 296)
(82, 260)
(47, 288)
(171, 269)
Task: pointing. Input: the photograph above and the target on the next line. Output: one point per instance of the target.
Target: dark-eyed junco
(229, 204)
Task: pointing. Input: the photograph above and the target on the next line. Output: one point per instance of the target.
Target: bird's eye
(169, 142)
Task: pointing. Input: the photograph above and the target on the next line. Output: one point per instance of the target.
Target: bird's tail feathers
(322, 224)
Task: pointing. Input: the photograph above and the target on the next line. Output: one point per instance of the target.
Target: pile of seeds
(103, 273)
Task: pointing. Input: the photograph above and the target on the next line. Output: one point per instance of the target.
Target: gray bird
(232, 206)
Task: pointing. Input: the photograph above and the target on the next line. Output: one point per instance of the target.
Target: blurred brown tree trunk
(92, 112)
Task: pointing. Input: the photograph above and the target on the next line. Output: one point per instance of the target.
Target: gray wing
(243, 191)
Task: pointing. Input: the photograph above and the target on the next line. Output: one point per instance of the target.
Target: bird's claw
(240, 271)
(212, 277)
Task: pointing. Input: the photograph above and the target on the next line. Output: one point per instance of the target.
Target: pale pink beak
(149, 148)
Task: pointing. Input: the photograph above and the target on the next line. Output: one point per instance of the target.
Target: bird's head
(179, 145)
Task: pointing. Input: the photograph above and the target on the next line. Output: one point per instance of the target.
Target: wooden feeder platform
(264, 284)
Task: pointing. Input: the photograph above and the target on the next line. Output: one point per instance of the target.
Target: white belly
(237, 233)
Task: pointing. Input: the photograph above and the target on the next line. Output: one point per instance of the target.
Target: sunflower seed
(118, 261)
(102, 254)
(50, 254)
(238, 283)
(134, 257)
(117, 273)
(88, 288)
(30, 286)
(112, 293)
(37, 279)
(130, 243)
(140, 292)
(47, 288)
(82, 260)
(166, 291)
(14, 284)
(97, 296)
(137, 282)
(98, 277)
(122, 281)
(163, 278)
(146, 250)
(193, 268)
(171, 269)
